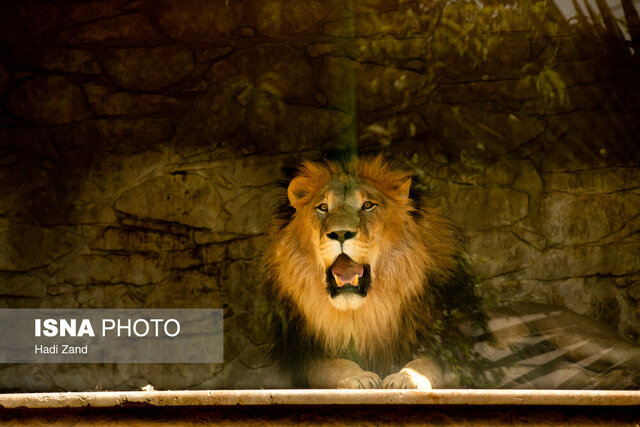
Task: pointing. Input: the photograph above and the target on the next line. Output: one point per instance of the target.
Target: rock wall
(141, 143)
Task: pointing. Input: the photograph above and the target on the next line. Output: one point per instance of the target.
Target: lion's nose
(342, 235)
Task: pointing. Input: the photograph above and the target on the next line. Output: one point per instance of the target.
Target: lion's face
(346, 220)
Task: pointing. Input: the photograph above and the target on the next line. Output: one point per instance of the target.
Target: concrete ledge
(222, 398)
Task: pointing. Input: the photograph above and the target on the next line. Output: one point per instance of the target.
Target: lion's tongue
(346, 269)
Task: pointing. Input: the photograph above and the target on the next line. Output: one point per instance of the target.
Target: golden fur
(406, 251)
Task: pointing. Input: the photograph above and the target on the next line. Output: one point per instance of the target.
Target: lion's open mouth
(346, 275)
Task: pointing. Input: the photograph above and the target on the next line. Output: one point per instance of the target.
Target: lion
(371, 289)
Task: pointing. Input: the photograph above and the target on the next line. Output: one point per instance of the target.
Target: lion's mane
(421, 290)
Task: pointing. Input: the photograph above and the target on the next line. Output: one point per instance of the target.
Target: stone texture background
(141, 143)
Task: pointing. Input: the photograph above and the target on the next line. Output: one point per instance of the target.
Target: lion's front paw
(365, 379)
(407, 378)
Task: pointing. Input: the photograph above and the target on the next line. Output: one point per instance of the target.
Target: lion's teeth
(338, 282)
(355, 280)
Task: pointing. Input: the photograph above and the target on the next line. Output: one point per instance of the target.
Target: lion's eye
(367, 206)
(322, 207)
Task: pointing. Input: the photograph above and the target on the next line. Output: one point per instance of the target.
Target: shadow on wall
(141, 144)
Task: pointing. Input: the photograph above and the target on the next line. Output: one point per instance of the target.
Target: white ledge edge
(106, 399)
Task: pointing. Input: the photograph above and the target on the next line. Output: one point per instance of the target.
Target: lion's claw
(363, 380)
(407, 380)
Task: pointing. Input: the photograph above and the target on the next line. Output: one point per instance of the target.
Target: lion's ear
(402, 192)
(297, 191)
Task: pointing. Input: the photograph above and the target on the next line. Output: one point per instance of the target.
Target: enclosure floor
(325, 407)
